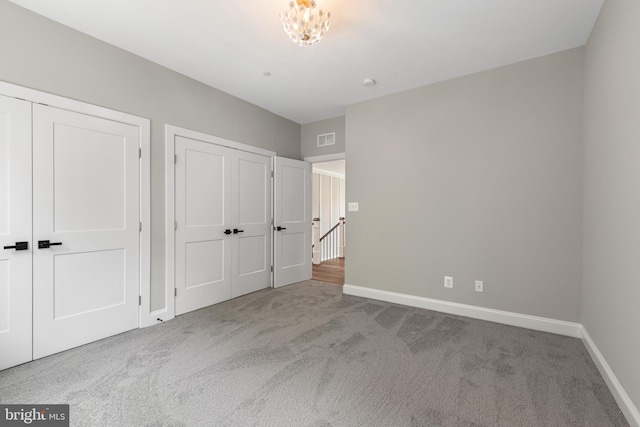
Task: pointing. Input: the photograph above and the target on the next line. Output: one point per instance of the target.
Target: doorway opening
(329, 225)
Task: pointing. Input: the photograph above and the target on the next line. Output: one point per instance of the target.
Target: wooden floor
(331, 271)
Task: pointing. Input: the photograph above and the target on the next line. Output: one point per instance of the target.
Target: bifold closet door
(86, 213)
(223, 223)
(15, 232)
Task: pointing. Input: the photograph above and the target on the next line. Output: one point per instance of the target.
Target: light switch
(352, 207)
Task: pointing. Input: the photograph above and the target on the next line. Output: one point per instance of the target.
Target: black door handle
(44, 244)
(281, 228)
(236, 231)
(19, 246)
(227, 231)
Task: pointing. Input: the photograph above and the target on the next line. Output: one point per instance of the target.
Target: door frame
(144, 179)
(329, 158)
(171, 132)
(325, 158)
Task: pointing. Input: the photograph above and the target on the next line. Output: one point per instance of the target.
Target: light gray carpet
(306, 355)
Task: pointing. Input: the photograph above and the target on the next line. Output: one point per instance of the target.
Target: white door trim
(171, 132)
(144, 126)
(325, 158)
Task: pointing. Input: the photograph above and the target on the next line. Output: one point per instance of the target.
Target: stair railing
(332, 242)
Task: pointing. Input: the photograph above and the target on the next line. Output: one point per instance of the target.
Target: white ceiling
(401, 44)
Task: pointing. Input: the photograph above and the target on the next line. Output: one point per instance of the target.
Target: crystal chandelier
(304, 23)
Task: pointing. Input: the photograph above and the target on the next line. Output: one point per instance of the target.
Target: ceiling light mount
(304, 23)
(368, 82)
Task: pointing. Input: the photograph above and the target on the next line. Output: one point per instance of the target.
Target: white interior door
(292, 221)
(223, 223)
(86, 213)
(251, 223)
(203, 224)
(15, 230)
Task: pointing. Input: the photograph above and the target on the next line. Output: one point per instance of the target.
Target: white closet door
(204, 224)
(252, 223)
(292, 217)
(86, 225)
(15, 226)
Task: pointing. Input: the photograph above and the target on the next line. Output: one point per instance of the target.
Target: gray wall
(478, 177)
(38, 53)
(611, 261)
(310, 132)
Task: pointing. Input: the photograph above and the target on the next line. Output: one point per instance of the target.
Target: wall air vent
(326, 139)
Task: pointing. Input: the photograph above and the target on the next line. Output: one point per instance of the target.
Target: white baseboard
(505, 317)
(619, 394)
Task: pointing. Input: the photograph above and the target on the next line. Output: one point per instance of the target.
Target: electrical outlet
(448, 282)
(479, 286)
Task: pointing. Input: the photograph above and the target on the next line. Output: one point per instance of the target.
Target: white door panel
(204, 263)
(253, 260)
(292, 256)
(82, 159)
(205, 195)
(292, 183)
(86, 198)
(292, 218)
(203, 213)
(15, 226)
(253, 189)
(88, 281)
(252, 221)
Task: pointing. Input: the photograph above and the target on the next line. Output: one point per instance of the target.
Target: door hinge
(175, 292)
(175, 225)
(175, 159)
(139, 153)
(139, 299)
(272, 268)
(271, 174)
(140, 227)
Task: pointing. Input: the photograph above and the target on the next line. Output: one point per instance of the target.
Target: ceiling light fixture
(304, 23)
